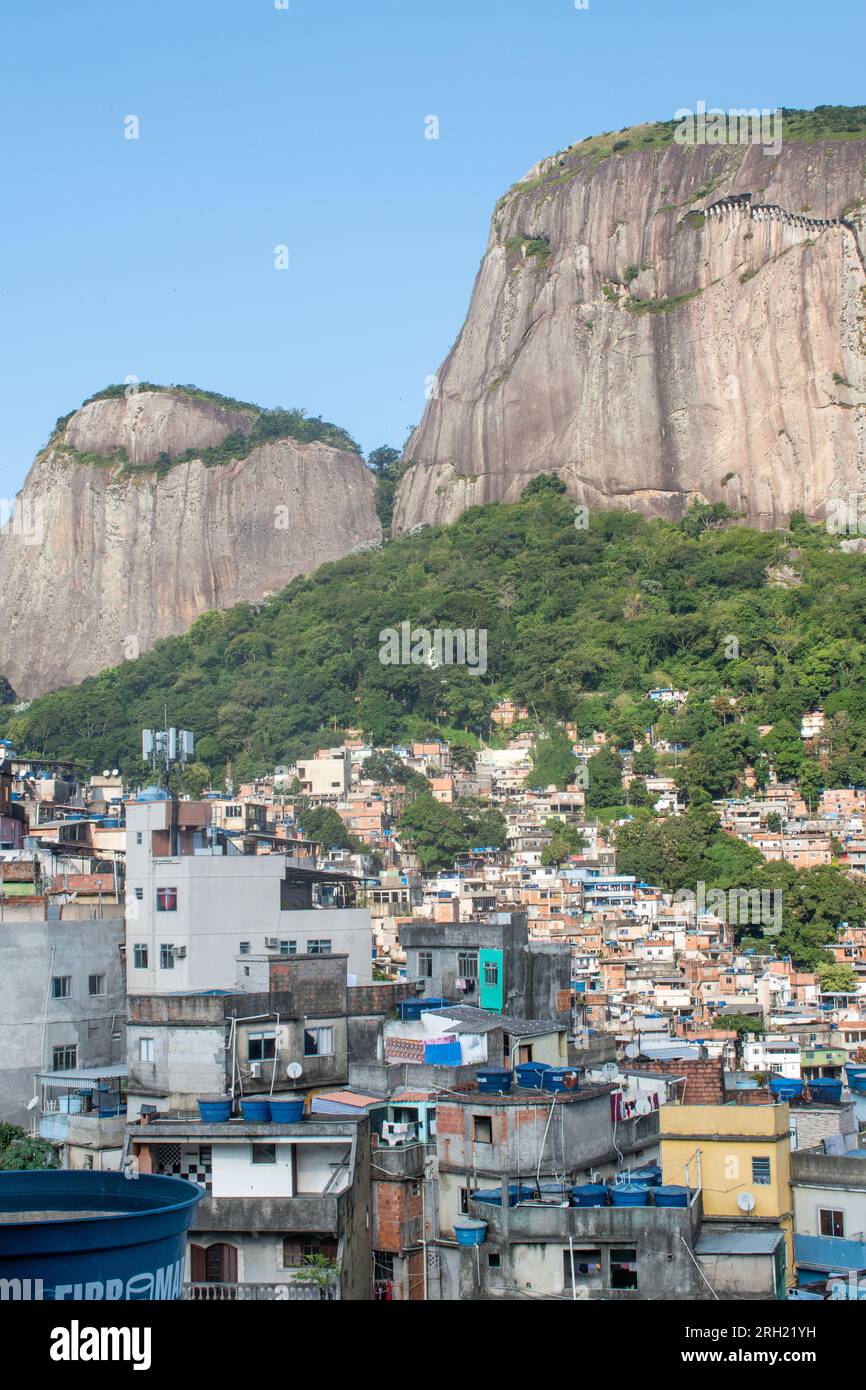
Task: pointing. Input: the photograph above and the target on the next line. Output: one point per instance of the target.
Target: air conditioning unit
(271, 943)
(255, 1070)
(179, 952)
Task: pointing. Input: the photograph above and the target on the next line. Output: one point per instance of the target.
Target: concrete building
(277, 1197)
(62, 1000)
(830, 1220)
(326, 778)
(491, 962)
(195, 902)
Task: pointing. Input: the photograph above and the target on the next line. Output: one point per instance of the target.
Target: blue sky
(305, 127)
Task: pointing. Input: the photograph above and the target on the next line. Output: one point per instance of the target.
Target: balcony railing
(297, 1290)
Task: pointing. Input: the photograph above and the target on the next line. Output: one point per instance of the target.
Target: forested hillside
(582, 621)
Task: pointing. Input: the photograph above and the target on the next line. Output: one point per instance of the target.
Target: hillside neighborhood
(423, 1023)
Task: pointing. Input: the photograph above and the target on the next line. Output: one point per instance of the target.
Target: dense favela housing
(448, 1021)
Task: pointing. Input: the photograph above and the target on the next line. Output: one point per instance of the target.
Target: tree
(322, 824)
(740, 1023)
(604, 787)
(837, 978)
(644, 763)
(553, 763)
(483, 825)
(543, 485)
(565, 840)
(463, 757)
(774, 822)
(18, 1151)
(434, 831)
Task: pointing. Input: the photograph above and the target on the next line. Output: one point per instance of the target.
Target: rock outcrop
(651, 351)
(99, 561)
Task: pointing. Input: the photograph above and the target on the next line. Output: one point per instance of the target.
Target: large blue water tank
(494, 1080)
(629, 1195)
(94, 1235)
(672, 1196)
(591, 1194)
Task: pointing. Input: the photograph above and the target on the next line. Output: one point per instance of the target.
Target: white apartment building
(190, 913)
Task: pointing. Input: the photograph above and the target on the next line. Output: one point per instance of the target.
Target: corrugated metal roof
(738, 1242)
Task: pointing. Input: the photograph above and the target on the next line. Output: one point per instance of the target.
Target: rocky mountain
(146, 510)
(658, 322)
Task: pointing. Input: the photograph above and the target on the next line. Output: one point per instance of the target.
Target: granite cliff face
(650, 353)
(98, 562)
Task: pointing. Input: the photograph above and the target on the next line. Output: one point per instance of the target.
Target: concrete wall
(32, 1023)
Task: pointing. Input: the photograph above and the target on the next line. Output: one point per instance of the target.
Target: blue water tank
(629, 1195)
(469, 1231)
(591, 1194)
(648, 1176)
(256, 1110)
(672, 1196)
(529, 1074)
(826, 1088)
(786, 1088)
(557, 1079)
(215, 1110)
(94, 1235)
(494, 1080)
(287, 1110)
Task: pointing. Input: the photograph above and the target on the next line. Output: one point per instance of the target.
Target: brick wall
(703, 1085)
(761, 1095)
(381, 998)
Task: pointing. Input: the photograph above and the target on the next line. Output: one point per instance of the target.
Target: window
(96, 985)
(64, 1058)
(262, 1047)
(138, 839)
(263, 1153)
(832, 1223)
(482, 1129)
(491, 972)
(321, 947)
(61, 986)
(166, 956)
(623, 1269)
(300, 1250)
(467, 965)
(244, 948)
(416, 1189)
(145, 1049)
(588, 1272)
(166, 900)
(383, 1265)
(288, 948)
(761, 1172)
(464, 1201)
(139, 956)
(494, 1260)
(425, 965)
(318, 1042)
(139, 894)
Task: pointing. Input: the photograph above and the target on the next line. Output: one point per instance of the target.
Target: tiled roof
(350, 1098)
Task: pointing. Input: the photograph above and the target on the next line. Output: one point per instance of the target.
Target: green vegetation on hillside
(823, 123)
(267, 426)
(581, 623)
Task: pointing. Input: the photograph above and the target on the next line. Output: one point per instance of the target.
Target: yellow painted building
(730, 1151)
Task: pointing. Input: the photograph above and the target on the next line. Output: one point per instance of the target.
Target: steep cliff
(651, 352)
(114, 543)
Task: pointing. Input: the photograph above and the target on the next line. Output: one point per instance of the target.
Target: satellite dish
(294, 1070)
(746, 1202)
(105, 772)
(610, 1069)
(115, 772)
(32, 1104)
(632, 1050)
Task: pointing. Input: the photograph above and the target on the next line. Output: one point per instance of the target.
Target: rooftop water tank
(559, 1079)
(215, 1109)
(591, 1194)
(85, 1235)
(287, 1110)
(629, 1195)
(827, 1089)
(256, 1110)
(786, 1088)
(672, 1196)
(494, 1080)
(529, 1074)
